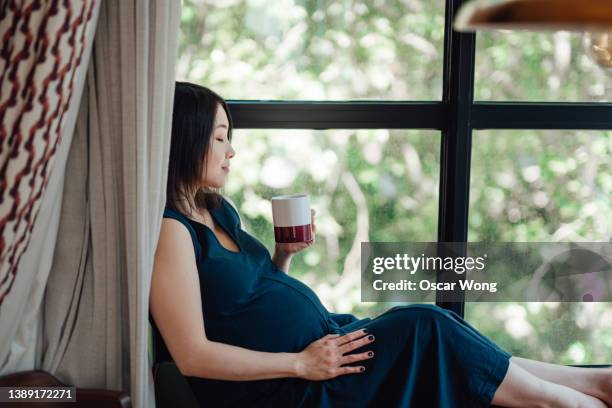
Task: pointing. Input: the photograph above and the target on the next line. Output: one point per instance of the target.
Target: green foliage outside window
(382, 185)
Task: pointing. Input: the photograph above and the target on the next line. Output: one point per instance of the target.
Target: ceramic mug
(291, 218)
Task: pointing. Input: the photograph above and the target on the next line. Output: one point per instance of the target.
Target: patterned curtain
(41, 50)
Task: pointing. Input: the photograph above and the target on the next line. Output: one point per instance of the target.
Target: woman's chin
(217, 182)
(220, 184)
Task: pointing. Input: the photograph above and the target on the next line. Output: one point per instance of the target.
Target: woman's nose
(232, 152)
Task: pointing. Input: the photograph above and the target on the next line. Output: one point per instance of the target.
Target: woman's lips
(226, 169)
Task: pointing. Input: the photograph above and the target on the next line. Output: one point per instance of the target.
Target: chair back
(171, 388)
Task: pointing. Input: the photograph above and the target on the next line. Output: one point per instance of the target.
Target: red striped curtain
(41, 45)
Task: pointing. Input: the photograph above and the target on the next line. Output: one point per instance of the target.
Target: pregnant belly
(280, 316)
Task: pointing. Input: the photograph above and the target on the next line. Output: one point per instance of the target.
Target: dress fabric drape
(424, 356)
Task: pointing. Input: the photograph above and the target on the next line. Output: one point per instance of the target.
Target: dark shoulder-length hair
(193, 121)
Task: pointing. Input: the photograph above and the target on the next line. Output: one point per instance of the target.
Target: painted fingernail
(362, 369)
(371, 337)
(366, 331)
(370, 354)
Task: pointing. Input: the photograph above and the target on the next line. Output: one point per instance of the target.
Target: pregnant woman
(244, 333)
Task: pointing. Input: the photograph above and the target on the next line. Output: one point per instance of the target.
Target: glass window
(527, 66)
(382, 185)
(314, 50)
(366, 185)
(543, 186)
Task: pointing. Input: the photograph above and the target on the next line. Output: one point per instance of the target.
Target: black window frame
(456, 116)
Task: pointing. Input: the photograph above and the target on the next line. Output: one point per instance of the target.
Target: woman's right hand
(324, 358)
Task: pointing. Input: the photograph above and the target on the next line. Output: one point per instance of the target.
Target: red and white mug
(291, 218)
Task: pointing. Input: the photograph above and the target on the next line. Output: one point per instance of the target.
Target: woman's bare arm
(227, 362)
(176, 307)
(282, 260)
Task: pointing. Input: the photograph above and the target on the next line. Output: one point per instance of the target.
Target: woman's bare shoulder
(175, 237)
(175, 299)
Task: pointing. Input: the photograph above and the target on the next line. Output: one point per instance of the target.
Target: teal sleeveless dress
(424, 356)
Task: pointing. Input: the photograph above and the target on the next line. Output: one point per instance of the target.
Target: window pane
(527, 66)
(314, 50)
(366, 185)
(543, 186)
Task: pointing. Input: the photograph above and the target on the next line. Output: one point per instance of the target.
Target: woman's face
(220, 152)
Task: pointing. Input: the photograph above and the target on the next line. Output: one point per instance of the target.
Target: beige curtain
(44, 54)
(95, 323)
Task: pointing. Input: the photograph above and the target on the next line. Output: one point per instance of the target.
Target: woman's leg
(522, 389)
(593, 381)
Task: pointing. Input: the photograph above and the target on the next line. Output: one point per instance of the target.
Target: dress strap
(231, 213)
(170, 213)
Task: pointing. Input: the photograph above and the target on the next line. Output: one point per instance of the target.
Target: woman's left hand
(288, 249)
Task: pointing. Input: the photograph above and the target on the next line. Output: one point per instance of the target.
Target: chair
(171, 388)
